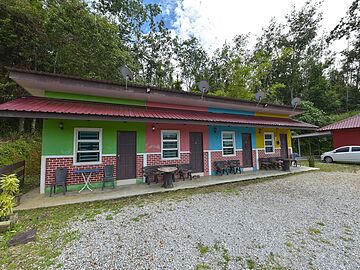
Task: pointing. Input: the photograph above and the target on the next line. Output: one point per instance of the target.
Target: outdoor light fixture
(153, 128)
(61, 125)
(215, 129)
(265, 105)
(148, 90)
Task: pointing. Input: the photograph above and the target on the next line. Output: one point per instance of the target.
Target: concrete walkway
(34, 199)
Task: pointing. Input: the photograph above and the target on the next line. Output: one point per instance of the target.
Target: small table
(168, 176)
(86, 174)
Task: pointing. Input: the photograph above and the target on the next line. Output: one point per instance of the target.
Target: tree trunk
(33, 125)
(21, 124)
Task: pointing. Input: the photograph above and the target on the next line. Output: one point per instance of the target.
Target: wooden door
(196, 152)
(126, 155)
(247, 150)
(284, 146)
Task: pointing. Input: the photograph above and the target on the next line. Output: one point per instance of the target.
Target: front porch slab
(34, 199)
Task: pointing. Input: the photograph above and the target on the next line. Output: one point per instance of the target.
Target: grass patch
(334, 167)
(109, 217)
(203, 249)
(140, 217)
(314, 231)
(289, 244)
(202, 266)
(238, 258)
(346, 239)
(250, 263)
(320, 223)
(226, 258)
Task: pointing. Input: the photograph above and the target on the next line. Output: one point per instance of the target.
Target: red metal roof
(43, 106)
(352, 122)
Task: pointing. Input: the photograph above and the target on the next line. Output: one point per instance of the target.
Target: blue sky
(214, 21)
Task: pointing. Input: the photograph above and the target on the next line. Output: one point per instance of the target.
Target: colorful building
(90, 123)
(345, 132)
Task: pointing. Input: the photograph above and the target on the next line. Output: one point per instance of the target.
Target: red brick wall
(206, 163)
(217, 156)
(53, 163)
(276, 154)
(262, 154)
(155, 159)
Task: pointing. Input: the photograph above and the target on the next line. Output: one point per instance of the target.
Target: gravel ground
(306, 221)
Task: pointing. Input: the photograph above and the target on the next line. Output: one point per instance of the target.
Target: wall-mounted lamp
(148, 90)
(215, 129)
(260, 130)
(265, 105)
(61, 125)
(153, 128)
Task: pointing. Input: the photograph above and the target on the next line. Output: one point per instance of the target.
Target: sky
(215, 21)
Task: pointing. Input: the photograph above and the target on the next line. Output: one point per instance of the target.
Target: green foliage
(18, 147)
(6, 205)
(9, 184)
(311, 161)
(313, 115)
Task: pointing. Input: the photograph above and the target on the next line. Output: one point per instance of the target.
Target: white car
(349, 154)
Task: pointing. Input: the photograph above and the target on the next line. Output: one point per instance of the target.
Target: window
(342, 150)
(170, 144)
(87, 145)
(228, 143)
(356, 149)
(269, 142)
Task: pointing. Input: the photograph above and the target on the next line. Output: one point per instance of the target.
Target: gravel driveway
(306, 221)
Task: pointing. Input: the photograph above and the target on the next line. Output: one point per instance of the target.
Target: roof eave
(36, 82)
(68, 116)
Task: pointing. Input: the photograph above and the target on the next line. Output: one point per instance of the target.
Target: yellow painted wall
(277, 131)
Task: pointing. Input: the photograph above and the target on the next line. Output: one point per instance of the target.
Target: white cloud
(217, 21)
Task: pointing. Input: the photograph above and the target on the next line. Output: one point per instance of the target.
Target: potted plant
(311, 161)
(9, 184)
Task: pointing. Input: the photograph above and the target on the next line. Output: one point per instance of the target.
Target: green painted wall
(61, 142)
(94, 98)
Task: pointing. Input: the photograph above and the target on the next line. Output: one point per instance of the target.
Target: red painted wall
(153, 138)
(345, 137)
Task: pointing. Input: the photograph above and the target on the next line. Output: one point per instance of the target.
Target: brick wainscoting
(67, 162)
(276, 154)
(155, 160)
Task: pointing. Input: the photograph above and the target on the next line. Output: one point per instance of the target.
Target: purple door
(284, 146)
(196, 152)
(247, 150)
(126, 155)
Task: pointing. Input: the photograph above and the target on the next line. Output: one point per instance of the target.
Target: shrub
(20, 147)
(9, 184)
(6, 206)
(311, 161)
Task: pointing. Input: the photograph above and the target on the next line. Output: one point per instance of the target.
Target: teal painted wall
(215, 137)
(228, 111)
(61, 142)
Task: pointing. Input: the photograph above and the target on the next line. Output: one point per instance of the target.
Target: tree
(349, 28)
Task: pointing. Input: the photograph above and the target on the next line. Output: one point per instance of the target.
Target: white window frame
(178, 144)
(76, 141)
(233, 140)
(272, 141)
